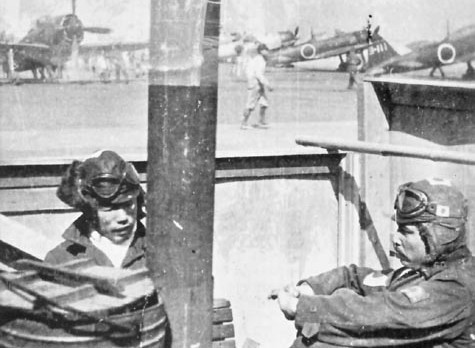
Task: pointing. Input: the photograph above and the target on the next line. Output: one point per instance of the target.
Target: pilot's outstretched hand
(288, 298)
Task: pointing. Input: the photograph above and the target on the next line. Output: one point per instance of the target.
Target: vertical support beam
(11, 64)
(349, 236)
(181, 167)
(375, 194)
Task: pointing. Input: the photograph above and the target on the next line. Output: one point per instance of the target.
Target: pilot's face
(117, 222)
(408, 245)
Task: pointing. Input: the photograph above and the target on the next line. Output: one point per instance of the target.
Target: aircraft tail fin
(379, 52)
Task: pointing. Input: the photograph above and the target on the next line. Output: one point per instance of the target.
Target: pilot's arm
(351, 277)
(419, 313)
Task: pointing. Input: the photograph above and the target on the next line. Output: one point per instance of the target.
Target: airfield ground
(50, 123)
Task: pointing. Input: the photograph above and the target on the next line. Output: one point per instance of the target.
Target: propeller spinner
(74, 28)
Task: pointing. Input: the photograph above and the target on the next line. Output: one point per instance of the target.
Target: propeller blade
(97, 30)
(296, 32)
(73, 5)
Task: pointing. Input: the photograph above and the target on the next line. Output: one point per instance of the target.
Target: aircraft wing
(132, 46)
(409, 64)
(341, 50)
(25, 47)
(117, 46)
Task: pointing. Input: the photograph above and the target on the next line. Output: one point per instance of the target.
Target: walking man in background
(257, 87)
(429, 302)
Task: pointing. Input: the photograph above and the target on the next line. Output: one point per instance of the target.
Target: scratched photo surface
(282, 215)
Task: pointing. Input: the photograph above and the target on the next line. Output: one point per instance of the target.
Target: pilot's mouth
(399, 254)
(122, 231)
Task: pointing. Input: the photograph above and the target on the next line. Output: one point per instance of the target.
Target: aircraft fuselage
(314, 48)
(458, 47)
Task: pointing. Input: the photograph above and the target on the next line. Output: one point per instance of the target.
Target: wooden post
(181, 165)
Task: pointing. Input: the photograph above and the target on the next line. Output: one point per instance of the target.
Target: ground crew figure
(106, 189)
(257, 88)
(238, 66)
(429, 302)
(353, 63)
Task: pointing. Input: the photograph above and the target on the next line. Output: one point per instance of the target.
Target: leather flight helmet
(438, 202)
(103, 179)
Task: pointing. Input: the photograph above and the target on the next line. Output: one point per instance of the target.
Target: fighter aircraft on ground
(51, 43)
(338, 45)
(456, 47)
(240, 43)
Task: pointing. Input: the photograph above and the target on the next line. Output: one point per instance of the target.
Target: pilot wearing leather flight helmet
(429, 302)
(106, 189)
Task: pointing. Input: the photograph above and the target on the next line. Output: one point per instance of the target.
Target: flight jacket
(78, 246)
(360, 307)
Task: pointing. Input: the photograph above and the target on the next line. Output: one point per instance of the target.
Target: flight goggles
(411, 203)
(111, 188)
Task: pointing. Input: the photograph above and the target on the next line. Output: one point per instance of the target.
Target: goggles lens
(106, 187)
(410, 203)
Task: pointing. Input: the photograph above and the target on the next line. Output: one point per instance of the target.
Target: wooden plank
(224, 344)
(31, 200)
(79, 264)
(272, 172)
(119, 277)
(222, 315)
(62, 294)
(102, 283)
(221, 303)
(43, 176)
(223, 331)
(59, 293)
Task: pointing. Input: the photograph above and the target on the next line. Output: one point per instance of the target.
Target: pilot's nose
(395, 239)
(123, 218)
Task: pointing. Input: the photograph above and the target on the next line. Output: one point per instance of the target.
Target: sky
(401, 21)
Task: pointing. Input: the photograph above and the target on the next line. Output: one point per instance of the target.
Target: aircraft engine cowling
(72, 28)
(446, 53)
